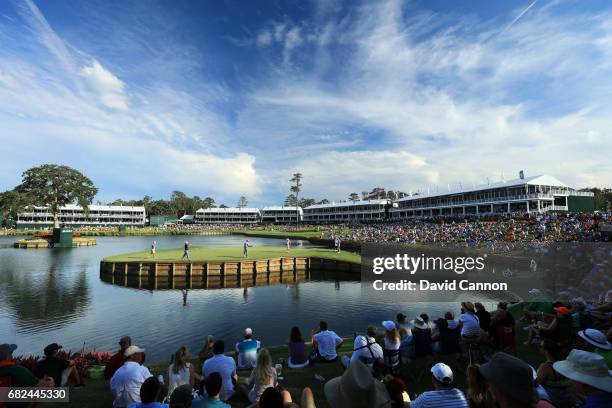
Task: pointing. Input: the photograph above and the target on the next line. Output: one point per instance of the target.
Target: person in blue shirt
(247, 350)
(211, 399)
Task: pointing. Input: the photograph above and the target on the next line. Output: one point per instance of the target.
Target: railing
(490, 200)
(555, 208)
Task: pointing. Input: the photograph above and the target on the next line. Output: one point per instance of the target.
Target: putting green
(201, 254)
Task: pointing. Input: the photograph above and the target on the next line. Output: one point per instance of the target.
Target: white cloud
(384, 95)
(107, 86)
(164, 139)
(335, 174)
(264, 38)
(470, 99)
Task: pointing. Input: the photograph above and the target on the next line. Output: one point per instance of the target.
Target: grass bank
(305, 234)
(97, 395)
(201, 254)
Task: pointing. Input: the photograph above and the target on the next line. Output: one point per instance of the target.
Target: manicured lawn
(200, 254)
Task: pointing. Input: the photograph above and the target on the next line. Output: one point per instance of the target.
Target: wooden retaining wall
(219, 274)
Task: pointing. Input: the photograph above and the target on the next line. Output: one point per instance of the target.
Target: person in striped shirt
(247, 350)
(444, 394)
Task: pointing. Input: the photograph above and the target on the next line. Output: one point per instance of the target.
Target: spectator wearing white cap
(444, 394)
(127, 380)
(392, 343)
(597, 342)
(247, 350)
(590, 375)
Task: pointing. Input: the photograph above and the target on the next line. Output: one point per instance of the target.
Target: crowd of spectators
(543, 228)
(380, 370)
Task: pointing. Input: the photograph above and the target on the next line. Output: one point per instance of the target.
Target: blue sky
(229, 98)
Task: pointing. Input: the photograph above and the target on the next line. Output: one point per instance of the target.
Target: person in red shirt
(117, 359)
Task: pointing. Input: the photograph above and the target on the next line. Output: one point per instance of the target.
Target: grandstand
(536, 194)
(347, 211)
(229, 215)
(74, 216)
(281, 215)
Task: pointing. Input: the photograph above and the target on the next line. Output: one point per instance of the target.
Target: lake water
(57, 295)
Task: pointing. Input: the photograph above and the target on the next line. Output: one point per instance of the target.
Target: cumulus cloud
(108, 88)
(166, 139)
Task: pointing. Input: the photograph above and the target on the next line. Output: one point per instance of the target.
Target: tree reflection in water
(44, 301)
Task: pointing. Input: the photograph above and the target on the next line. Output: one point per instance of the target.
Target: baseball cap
(388, 325)
(442, 373)
(248, 331)
(6, 349)
(51, 348)
(562, 310)
(132, 350)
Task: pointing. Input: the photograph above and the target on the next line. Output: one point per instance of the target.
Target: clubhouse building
(347, 211)
(536, 194)
(74, 216)
(281, 215)
(229, 215)
(532, 195)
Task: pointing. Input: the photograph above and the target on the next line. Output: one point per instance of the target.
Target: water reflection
(185, 283)
(48, 300)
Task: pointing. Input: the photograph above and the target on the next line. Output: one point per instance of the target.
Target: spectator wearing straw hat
(421, 334)
(444, 394)
(356, 388)
(596, 341)
(590, 375)
(127, 380)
